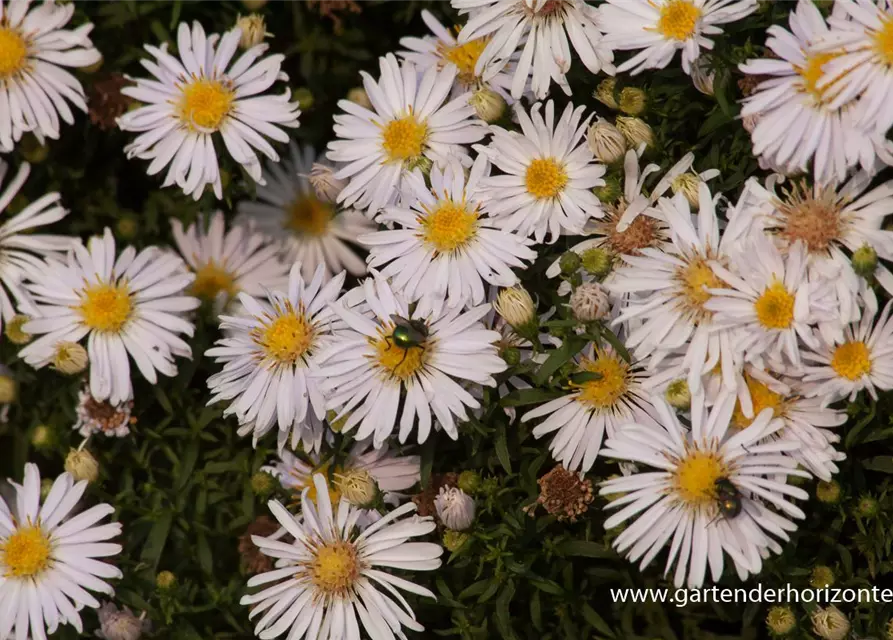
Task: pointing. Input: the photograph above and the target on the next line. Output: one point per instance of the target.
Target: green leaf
(187, 464)
(864, 422)
(203, 552)
(556, 359)
(615, 342)
(503, 617)
(156, 540)
(585, 549)
(596, 621)
(163, 399)
(502, 449)
(884, 464)
(522, 397)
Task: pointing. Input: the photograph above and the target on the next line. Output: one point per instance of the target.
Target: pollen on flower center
(851, 360)
(775, 307)
(13, 52)
(335, 568)
(813, 218)
(105, 307)
(762, 397)
(396, 361)
(883, 42)
(211, 280)
(694, 280)
(286, 337)
(205, 104)
(307, 482)
(545, 178)
(449, 227)
(641, 233)
(812, 72)
(464, 56)
(678, 19)
(696, 477)
(613, 384)
(309, 216)
(404, 139)
(25, 553)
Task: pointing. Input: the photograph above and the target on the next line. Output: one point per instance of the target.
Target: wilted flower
(253, 559)
(830, 623)
(632, 101)
(590, 302)
(106, 102)
(606, 141)
(489, 105)
(424, 501)
(604, 93)
(688, 185)
(69, 357)
(636, 131)
(121, 624)
(455, 508)
(254, 30)
(358, 486)
(81, 464)
(101, 416)
(565, 494)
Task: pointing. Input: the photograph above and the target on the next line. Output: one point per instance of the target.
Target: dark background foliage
(181, 481)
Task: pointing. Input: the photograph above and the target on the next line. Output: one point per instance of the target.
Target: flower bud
(325, 184)
(828, 492)
(606, 142)
(678, 394)
(569, 262)
(821, 577)
(867, 507)
(489, 105)
(516, 306)
(453, 540)
(253, 28)
(263, 484)
(46, 485)
(511, 355)
(470, 482)
(781, 620)
(69, 357)
(889, 630)
(33, 150)
(589, 302)
(165, 580)
(357, 486)
(597, 262)
(9, 389)
(254, 5)
(358, 95)
(636, 131)
(42, 437)
(604, 93)
(864, 260)
(455, 508)
(121, 624)
(13, 329)
(610, 191)
(688, 185)
(303, 97)
(632, 101)
(830, 623)
(82, 465)
(702, 77)
(128, 226)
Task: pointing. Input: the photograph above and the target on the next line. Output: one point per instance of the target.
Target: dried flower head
(425, 500)
(95, 416)
(455, 508)
(565, 494)
(781, 620)
(121, 624)
(106, 102)
(252, 559)
(333, 9)
(830, 623)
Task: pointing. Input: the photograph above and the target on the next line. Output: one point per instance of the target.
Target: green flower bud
(821, 577)
(511, 355)
(864, 260)
(263, 484)
(304, 98)
(470, 482)
(867, 507)
(828, 492)
(678, 394)
(611, 190)
(453, 540)
(165, 581)
(781, 620)
(597, 262)
(632, 101)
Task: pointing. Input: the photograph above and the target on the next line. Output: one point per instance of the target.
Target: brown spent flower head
(425, 500)
(748, 84)
(564, 494)
(332, 9)
(106, 102)
(253, 560)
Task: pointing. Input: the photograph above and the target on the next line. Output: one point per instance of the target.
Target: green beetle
(407, 333)
(729, 498)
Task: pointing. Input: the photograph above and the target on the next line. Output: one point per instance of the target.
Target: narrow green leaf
(884, 464)
(203, 552)
(502, 449)
(864, 422)
(585, 549)
(596, 621)
(556, 359)
(522, 397)
(503, 617)
(156, 540)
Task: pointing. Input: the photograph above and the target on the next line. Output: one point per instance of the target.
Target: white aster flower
(455, 508)
(860, 360)
(669, 286)
(679, 499)
(594, 408)
(367, 371)
(101, 416)
(328, 580)
(313, 230)
(409, 125)
(441, 49)
(445, 246)
(268, 352)
(771, 302)
(541, 29)
(795, 119)
(48, 557)
(130, 305)
(35, 89)
(662, 27)
(227, 262)
(549, 173)
(190, 99)
(20, 248)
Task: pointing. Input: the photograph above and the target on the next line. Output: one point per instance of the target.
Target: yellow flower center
(545, 178)
(762, 397)
(694, 280)
(812, 216)
(678, 19)
(335, 568)
(812, 73)
(25, 553)
(696, 477)
(286, 337)
(883, 42)
(449, 227)
(105, 307)
(775, 307)
(309, 216)
(404, 139)
(13, 52)
(464, 56)
(396, 361)
(613, 384)
(307, 482)
(852, 360)
(211, 280)
(205, 104)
